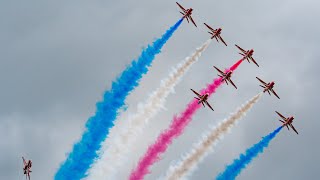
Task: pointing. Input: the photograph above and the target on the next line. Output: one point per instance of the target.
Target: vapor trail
(97, 127)
(188, 164)
(117, 147)
(234, 169)
(173, 131)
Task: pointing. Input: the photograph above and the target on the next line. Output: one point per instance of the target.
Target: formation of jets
(27, 167)
(226, 76)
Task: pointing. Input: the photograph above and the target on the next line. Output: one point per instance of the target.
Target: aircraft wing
(269, 93)
(221, 72)
(24, 161)
(208, 27)
(203, 104)
(180, 6)
(262, 86)
(240, 48)
(222, 40)
(264, 83)
(275, 93)
(232, 83)
(225, 81)
(294, 128)
(209, 105)
(192, 21)
(281, 115)
(215, 36)
(196, 93)
(254, 61)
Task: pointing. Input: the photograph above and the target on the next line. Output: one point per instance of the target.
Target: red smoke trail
(175, 129)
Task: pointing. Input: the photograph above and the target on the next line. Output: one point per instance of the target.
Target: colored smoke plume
(200, 150)
(117, 147)
(97, 127)
(174, 130)
(233, 170)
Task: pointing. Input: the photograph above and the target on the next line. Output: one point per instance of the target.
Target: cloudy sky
(58, 57)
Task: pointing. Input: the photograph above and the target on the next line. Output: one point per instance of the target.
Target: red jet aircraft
(187, 14)
(216, 33)
(287, 122)
(202, 99)
(268, 87)
(225, 76)
(247, 55)
(27, 167)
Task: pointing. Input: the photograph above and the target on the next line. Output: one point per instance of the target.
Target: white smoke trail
(117, 147)
(188, 164)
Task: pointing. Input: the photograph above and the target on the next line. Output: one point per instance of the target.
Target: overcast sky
(58, 57)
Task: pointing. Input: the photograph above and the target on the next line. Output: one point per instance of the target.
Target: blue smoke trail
(97, 127)
(234, 169)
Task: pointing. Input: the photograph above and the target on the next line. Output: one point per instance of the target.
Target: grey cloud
(58, 57)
